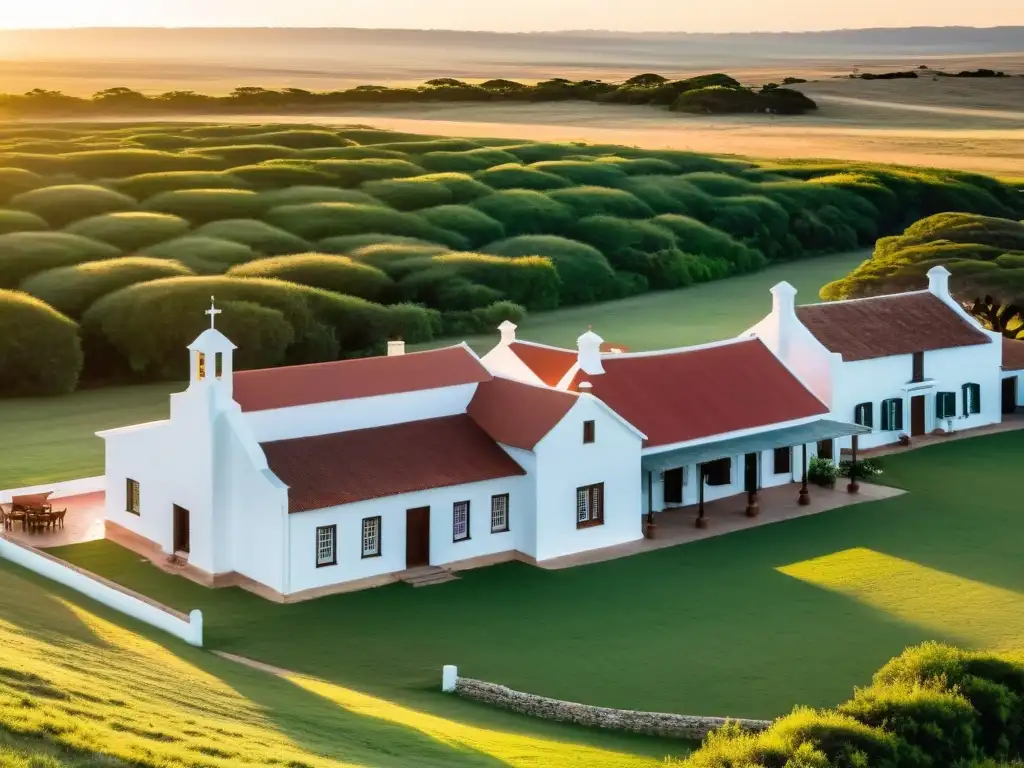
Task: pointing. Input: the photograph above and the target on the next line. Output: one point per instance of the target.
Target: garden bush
(375, 136)
(301, 194)
(130, 230)
(720, 184)
(146, 185)
(525, 212)
(40, 353)
(477, 227)
(583, 172)
(528, 281)
(200, 206)
(25, 253)
(292, 139)
(275, 175)
(584, 271)
(409, 194)
(60, 205)
(481, 320)
(426, 144)
(71, 290)
(464, 188)
(14, 181)
(168, 141)
(396, 259)
(45, 165)
(258, 235)
(443, 289)
(538, 152)
(316, 221)
(242, 154)
(130, 162)
(352, 173)
(347, 244)
(671, 194)
(514, 176)
(466, 162)
(352, 153)
(203, 254)
(692, 236)
(20, 221)
(588, 201)
(333, 273)
(641, 166)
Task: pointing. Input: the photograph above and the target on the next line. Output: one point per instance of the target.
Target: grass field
(56, 434)
(748, 624)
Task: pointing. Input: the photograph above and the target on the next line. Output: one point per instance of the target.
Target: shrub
(584, 271)
(258, 235)
(333, 273)
(148, 184)
(671, 194)
(537, 152)
(346, 244)
(425, 144)
(378, 136)
(204, 255)
(277, 174)
(20, 221)
(109, 163)
(467, 162)
(513, 176)
(586, 201)
(200, 206)
(464, 189)
(26, 253)
(352, 153)
(292, 138)
(71, 290)
(301, 194)
(641, 166)
(316, 221)
(444, 289)
(40, 353)
(162, 140)
(352, 173)
(695, 237)
(524, 212)
(131, 230)
(529, 281)
(63, 204)
(409, 194)
(243, 154)
(583, 172)
(478, 228)
(396, 259)
(822, 472)
(625, 242)
(14, 181)
(720, 184)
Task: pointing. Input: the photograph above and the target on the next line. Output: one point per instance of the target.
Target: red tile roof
(548, 363)
(1013, 354)
(518, 414)
(863, 329)
(675, 397)
(349, 379)
(346, 467)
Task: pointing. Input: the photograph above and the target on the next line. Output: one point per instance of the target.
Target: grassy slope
(56, 435)
(747, 624)
(84, 678)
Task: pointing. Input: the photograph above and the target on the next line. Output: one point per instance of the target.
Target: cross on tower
(213, 312)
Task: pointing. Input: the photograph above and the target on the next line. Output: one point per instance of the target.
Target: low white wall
(61, 489)
(188, 628)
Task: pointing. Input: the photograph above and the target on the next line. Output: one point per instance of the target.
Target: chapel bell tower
(210, 357)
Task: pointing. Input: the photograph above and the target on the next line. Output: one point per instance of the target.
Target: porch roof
(801, 434)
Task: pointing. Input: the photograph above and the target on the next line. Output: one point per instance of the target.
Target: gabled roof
(294, 385)
(549, 364)
(882, 326)
(688, 394)
(517, 414)
(1013, 354)
(346, 467)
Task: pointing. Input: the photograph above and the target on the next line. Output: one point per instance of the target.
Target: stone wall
(649, 723)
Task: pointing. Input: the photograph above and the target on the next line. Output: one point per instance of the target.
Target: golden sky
(517, 15)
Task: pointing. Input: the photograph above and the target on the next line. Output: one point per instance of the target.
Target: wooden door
(750, 478)
(1010, 394)
(674, 486)
(917, 415)
(417, 537)
(181, 529)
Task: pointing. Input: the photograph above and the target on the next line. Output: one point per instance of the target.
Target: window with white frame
(499, 513)
(892, 414)
(590, 505)
(945, 405)
(326, 545)
(460, 521)
(371, 536)
(972, 399)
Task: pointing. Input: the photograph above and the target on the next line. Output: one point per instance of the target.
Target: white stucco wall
(565, 463)
(304, 573)
(525, 530)
(359, 413)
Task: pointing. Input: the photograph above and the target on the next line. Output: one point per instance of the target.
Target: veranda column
(649, 530)
(853, 487)
(805, 495)
(753, 504)
(702, 522)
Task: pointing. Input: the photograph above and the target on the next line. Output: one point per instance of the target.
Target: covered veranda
(751, 448)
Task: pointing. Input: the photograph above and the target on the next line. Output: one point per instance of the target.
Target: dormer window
(200, 366)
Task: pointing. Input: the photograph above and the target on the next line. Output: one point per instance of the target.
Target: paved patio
(678, 526)
(1010, 423)
(83, 522)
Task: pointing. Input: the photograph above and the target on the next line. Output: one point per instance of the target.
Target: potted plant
(822, 472)
(904, 439)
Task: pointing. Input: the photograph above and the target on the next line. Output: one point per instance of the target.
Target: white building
(902, 364)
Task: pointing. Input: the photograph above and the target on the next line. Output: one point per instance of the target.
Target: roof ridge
(365, 429)
(677, 350)
(324, 363)
(864, 298)
(543, 346)
(545, 387)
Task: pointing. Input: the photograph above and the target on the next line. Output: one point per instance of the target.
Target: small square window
(131, 497)
(326, 545)
(499, 513)
(460, 521)
(783, 461)
(718, 472)
(371, 536)
(589, 431)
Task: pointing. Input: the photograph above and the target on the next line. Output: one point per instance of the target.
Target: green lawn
(55, 435)
(748, 624)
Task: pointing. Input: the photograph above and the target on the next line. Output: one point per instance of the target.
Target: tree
(1007, 318)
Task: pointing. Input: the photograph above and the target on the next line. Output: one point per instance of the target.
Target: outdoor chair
(5, 518)
(57, 518)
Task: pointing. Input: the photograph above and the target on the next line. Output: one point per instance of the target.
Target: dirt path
(932, 109)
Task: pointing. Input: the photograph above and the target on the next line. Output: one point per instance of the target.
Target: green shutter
(898, 404)
(976, 399)
(869, 408)
(885, 415)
